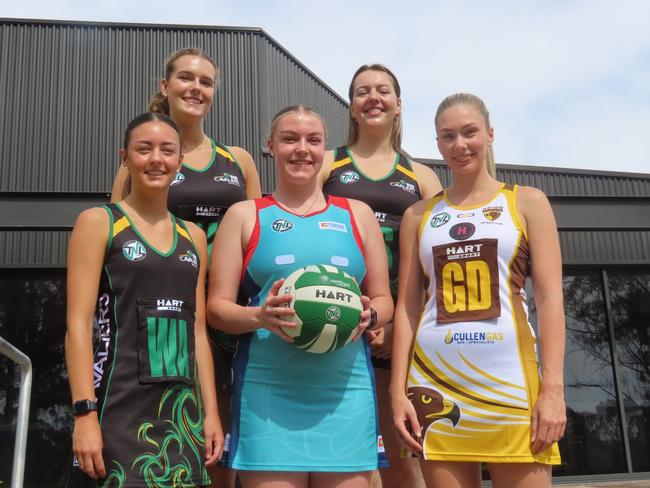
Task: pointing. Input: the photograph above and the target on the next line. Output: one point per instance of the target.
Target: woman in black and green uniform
(213, 177)
(373, 168)
(138, 273)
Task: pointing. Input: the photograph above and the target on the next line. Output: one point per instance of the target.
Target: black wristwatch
(373, 319)
(82, 407)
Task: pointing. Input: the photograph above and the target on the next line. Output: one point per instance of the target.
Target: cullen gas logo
(282, 225)
(473, 337)
(349, 177)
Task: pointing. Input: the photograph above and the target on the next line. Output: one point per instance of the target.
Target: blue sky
(567, 82)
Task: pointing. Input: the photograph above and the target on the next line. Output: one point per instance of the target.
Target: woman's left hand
(381, 341)
(364, 319)
(213, 435)
(548, 420)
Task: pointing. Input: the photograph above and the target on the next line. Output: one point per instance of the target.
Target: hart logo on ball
(327, 302)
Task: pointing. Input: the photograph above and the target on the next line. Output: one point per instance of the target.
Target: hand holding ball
(327, 302)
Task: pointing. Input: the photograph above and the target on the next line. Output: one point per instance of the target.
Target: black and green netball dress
(202, 197)
(150, 408)
(388, 197)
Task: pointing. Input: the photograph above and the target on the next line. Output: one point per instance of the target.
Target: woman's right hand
(275, 311)
(405, 423)
(87, 445)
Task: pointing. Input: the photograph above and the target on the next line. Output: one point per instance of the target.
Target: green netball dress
(150, 409)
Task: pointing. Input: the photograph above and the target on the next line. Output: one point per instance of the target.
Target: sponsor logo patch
(473, 337)
(169, 304)
(465, 215)
(178, 179)
(440, 219)
(463, 231)
(282, 225)
(380, 444)
(227, 178)
(381, 217)
(208, 211)
(134, 251)
(409, 187)
(190, 257)
(492, 213)
(338, 226)
(349, 177)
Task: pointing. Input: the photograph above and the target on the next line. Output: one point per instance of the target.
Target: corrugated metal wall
(69, 90)
(563, 182)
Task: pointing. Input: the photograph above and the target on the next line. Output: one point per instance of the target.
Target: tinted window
(32, 318)
(630, 302)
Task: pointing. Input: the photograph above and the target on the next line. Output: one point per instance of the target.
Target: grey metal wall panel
(33, 249)
(69, 90)
(563, 182)
(605, 248)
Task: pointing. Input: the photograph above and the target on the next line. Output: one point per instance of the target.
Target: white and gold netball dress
(474, 374)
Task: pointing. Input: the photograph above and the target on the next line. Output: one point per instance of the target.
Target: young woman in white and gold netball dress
(466, 385)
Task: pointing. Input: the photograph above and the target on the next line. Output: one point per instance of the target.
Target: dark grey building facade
(67, 91)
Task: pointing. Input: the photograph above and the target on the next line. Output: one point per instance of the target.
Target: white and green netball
(327, 302)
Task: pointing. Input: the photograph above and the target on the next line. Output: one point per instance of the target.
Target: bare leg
(223, 477)
(340, 480)
(402, 473)
(451, 474)
(273, 479)
(520, 475)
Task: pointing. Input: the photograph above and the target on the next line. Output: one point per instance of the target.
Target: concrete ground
(376, 483)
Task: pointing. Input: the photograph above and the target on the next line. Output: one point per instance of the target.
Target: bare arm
(225, 274)
(427, 180)
(549, 416)
(245, 160)
(375, 284)
(85, 259)
(410, 302)
(117, 193)
(326, 169)
(213, 433)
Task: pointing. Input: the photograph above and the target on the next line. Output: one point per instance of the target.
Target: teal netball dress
(293, 410)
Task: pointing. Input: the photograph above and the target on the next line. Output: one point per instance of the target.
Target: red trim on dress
(254, 238)
(344, 203)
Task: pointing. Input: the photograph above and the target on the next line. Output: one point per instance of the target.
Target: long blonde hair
(478, 104)
(353, 128)
(159, 102)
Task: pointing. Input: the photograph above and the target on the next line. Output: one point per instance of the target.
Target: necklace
(295, 210)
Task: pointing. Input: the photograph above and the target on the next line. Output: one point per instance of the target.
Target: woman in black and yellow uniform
(213, 177)
(373, 168)
(141, 419)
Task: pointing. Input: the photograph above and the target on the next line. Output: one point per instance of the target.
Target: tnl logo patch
(349, 177)
(282, 225)
(134, 251)
(178, 179)
(440, 219)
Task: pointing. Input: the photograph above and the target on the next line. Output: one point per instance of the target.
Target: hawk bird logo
(492, 213)
(431, 407)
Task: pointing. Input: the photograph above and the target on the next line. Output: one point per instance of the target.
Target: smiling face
(152, 156)
(298, 144)
(463, 138)
(190, 87)
(373, 99)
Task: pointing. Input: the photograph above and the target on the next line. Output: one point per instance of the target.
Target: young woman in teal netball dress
(299, 419)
